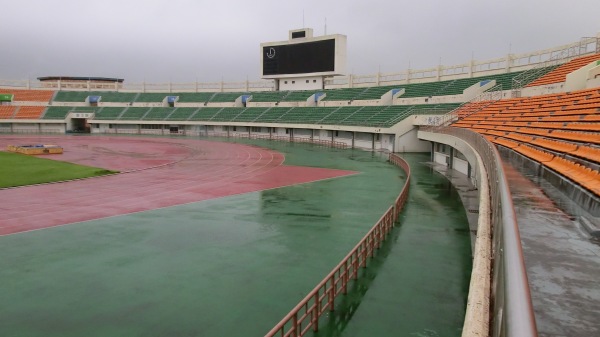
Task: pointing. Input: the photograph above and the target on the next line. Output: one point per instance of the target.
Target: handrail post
(295, 325)
(315, 312)
(356, 266)
(372, 243)
(331, 294)
(345, 278)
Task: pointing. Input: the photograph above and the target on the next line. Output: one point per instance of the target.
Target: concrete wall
(543, 90)
(366, 102)
(577, 80)
(593, 83)
(301, 83)
(405, 134)
(447, 157)
(26, 127)
(365, 140)
(333, 103)
(477, 89)
(52, 128)
(5, 127)
(460, 165)
(251, 104)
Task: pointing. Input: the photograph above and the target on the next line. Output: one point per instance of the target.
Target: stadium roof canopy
(72, 78)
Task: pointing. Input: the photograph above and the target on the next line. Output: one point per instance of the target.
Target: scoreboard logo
(271, 53)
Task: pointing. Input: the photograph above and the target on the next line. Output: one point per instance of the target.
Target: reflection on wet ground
(417, 285)
(235, 266)
(232, 266)
(562, 261)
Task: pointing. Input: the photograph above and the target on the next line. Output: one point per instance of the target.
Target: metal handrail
(512, 308)
(305, 315)
(562, 56)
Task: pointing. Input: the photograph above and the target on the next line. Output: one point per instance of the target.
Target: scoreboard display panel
(299, 58)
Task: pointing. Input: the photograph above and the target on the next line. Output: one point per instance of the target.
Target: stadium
(453, 200)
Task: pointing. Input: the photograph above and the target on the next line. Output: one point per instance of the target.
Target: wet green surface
(418, 284)
(234, 266)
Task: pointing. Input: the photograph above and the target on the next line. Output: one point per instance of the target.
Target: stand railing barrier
(307, 140)
(305, 315)
(320, 142)
(512, 309)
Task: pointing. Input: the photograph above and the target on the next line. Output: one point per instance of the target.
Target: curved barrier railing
(305, 315)
(318, 142)
(512, 308)
(290, 139)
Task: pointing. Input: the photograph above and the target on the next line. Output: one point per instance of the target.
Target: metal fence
(304, 317)
(244, 135)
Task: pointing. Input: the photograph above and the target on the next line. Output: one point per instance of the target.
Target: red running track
(160, 173)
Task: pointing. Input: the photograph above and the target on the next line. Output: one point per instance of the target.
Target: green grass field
(19, 170)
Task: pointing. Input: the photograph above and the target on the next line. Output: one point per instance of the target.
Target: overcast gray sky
(185, 40)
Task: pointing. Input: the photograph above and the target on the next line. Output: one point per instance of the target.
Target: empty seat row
(585, 176)
(559, 74)
(23, 95)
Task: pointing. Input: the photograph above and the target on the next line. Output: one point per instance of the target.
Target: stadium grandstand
(483, 124)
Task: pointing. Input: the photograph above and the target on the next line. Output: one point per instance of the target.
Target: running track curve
(156, 173)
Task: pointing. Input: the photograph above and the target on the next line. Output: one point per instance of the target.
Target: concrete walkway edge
(477, 315)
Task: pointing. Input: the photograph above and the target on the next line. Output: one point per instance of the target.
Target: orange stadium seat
(533, 153)
(7, 111)
(553, 119)
(555, 145)
(585, 137)
(540, 113)
(506, 142)
(462, 123)
(29, 95)
(29, 112)
(533, 131)
(589, 153)
(517, 124)
(507, 128)
(490, 138)
(583, 126)
(591, 118)
(504, 119)
(559, 74)
(584, 176)
(491, 123)
(519, 137)
(548, 125)
(586, 105)
(495, 133)
(564, 123)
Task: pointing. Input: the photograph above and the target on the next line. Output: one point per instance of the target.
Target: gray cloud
(185, 40)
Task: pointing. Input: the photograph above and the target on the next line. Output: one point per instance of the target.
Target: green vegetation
(19, 170)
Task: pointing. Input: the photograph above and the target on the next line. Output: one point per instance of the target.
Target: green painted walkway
(418, 284)
(234, 266)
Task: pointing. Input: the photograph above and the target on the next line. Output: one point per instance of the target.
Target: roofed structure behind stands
(71, 82)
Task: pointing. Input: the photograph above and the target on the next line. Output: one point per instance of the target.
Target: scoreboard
(299, 58)
(325, 55)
